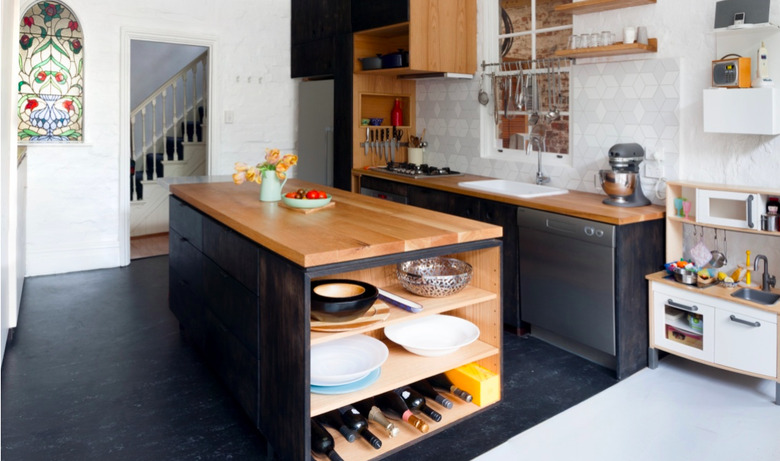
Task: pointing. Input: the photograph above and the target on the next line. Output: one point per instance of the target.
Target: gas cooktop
(411, 170)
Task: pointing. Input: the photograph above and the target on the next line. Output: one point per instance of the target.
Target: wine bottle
(393, 406)
(441, 381)
(355, 421)
(369, 410)
(425, 388)
(333, 419)
(322, 443)
(416, 402)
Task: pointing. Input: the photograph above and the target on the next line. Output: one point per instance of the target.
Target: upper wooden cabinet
(378, 13)
(440, 36)
(314, 28)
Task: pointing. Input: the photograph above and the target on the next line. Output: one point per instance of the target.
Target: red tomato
(321, 194)
(290, 195)
(312, 194)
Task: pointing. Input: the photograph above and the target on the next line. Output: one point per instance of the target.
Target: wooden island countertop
(356, 227)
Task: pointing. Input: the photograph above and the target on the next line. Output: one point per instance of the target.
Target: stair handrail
(176, 115)
(192, 64)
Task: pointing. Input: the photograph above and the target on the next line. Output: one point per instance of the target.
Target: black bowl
(341, 300)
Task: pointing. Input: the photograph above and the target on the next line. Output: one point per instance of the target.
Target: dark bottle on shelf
(425, 388)
(373, 413)
(333, 419)
(322, 443)
(441, 381)
(393, 406)
(416, 402)
(355, 421)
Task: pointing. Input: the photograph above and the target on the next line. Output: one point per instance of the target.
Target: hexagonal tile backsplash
(629, 101)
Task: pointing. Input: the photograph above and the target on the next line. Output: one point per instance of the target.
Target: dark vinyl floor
(97, 370)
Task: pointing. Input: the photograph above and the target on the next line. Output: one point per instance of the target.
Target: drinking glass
(584, 41)
(595, 40)
(607, 38)
(686, 208)
(573, 43)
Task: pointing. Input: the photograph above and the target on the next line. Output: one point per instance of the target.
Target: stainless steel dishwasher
(567, 277)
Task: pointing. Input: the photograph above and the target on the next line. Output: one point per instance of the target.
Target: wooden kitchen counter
(575, 203)
(356, 227)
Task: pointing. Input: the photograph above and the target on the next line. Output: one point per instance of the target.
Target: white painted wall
(73, 214)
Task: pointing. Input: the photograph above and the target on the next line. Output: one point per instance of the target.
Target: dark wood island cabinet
(240, 278)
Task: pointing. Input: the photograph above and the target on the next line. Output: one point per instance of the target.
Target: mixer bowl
(618, 185)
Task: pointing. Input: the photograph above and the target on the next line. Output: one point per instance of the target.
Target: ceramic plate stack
(347, 364)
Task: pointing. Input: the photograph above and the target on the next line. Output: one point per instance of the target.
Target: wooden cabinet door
(746, 340)
(443, 35)
(314, 28)
(446, 202)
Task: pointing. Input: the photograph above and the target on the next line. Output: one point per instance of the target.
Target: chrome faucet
(538, 141)
(766, 279)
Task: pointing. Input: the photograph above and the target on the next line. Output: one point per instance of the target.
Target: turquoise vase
(271, 187)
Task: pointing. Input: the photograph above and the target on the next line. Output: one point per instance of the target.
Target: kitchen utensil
(434, 277)
(718, 258)
(375, 121)
(433, 336)
(382, 144)
(361, 383)
(678, 206)
(685, 276)
(519, 90)
(508, 101)
(341, 299)
(399, 301)
(392, 60)
(641, 35)
(686, 208)
(482, 97)
(533, 119)
(365, 145)
(371, 63)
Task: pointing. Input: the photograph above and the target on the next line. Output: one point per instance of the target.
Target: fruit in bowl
(303, 198)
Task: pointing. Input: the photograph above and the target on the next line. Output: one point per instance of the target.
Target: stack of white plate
(347, 364)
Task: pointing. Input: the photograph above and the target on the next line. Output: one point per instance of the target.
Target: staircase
(166, 140)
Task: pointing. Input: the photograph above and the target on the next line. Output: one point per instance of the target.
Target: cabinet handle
(734, 318)
(681, 306)
(750, 211)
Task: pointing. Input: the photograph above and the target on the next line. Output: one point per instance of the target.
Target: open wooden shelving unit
(596, 6)
(611, 50)
(478, 303)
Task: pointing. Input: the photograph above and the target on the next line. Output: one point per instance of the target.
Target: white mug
(629, 34)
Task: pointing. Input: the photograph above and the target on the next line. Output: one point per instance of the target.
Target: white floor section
(680, 411)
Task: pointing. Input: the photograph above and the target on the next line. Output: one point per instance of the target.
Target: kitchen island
(240, 278)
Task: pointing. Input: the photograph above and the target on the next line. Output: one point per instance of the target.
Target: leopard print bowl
(434, 277)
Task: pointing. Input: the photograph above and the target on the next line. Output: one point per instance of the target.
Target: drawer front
(746, 343)
(188, 309)
(671, 327)
(234, 253)
(234, 365)
(234, 305)
(187, 221)
(186, 260)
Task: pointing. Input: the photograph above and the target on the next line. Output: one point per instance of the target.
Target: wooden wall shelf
(612, 50)
(596, 6)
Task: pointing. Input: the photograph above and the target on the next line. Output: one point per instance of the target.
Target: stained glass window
(51, 85)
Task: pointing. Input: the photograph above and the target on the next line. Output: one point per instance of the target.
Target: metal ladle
(483, 97)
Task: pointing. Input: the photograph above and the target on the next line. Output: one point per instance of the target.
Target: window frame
(490, 50)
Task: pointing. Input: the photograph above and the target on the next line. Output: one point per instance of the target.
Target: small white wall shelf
(742, 110)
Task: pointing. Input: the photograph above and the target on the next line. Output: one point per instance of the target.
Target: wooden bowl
(341, 300)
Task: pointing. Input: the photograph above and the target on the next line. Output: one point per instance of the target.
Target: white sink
(513, 188)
